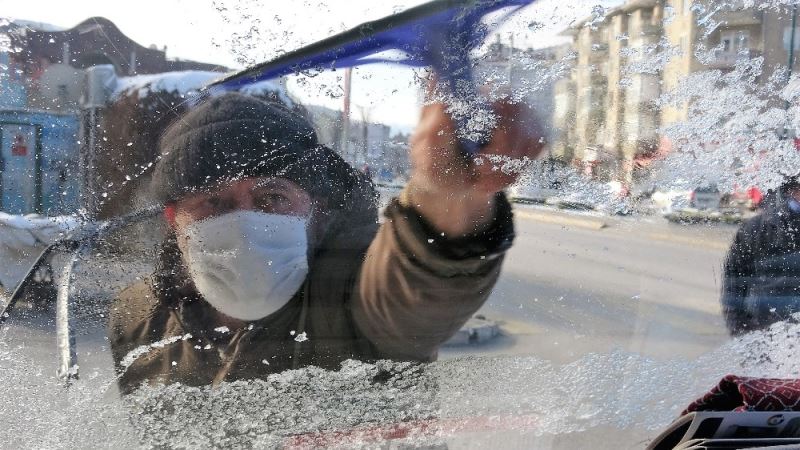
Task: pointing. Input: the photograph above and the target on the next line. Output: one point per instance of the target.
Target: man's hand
(455, 193)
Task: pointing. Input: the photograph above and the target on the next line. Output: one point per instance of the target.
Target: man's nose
(244, 198)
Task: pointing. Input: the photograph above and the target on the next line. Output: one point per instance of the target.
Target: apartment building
(591, 87)
(531, 73)
(734, 33)
(618, 77)
(634, 32)
(564, 126)
(615, 117)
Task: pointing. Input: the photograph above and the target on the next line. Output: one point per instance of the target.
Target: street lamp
(791, 41)
(100, 82)
(790, 64)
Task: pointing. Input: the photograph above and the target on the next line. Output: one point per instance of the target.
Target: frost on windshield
(731, 121)
(674, 98)
(605, 316)
(362, 404)
(738, 132)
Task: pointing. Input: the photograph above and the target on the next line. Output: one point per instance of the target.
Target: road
(577, 283)
(569, 288)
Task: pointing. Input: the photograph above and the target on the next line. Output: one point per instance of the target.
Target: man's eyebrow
(269, 182)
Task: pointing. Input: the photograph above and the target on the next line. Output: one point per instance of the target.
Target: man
(275, 259)
(761, 282)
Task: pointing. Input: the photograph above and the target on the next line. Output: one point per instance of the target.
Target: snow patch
(181, 82)
(569, 187)
(37, 26)
(619, 390)
(18, 231)
(22, 239)
(142, 350)
(267, 86)
(188, 82)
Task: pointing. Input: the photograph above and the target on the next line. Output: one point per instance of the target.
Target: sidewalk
(581, 219)
(715, 236)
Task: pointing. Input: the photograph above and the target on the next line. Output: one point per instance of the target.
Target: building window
(742, 41)
(735, 41)
(787, 37)
(63, 94)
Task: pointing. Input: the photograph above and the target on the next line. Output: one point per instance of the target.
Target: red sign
(18, 148)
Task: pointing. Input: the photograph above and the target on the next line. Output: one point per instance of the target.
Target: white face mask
(247, 264)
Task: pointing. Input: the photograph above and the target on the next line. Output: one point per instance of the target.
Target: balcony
(599, 48)
(645, 29)
(739, 18)
(727, 60)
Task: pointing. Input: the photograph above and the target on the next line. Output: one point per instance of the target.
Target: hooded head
(234, 137)
(246, 184)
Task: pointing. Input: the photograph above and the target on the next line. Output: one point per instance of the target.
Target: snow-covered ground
(23, 238)
(564, 186)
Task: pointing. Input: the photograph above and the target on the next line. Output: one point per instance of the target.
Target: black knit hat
(234, 136)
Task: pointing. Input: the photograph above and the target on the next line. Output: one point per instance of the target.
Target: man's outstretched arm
(437, 257)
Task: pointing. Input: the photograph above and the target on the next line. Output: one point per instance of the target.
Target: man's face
(268, 195)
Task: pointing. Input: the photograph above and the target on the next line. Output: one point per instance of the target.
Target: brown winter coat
(397, 291)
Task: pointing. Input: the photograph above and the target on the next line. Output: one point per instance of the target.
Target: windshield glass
(523, 224)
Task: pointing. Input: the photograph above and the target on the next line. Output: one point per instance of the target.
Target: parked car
(669, 201)
(705, 198)
(744, 199)
(531, 194)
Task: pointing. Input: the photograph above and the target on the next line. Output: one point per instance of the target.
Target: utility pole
(366, 116)
(511, 61)
(790, 63)
(96, 96)
(348, 80)
(791, 41)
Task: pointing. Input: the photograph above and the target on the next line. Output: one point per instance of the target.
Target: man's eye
(214, 202)
(273, 200)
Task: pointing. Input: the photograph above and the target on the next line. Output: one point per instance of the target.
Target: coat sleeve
(137, 321)
(416, 288)
(738, 273)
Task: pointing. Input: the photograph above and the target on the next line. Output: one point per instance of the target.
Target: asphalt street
(577, 283)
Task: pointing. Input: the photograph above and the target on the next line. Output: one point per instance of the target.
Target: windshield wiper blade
(440, 34)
